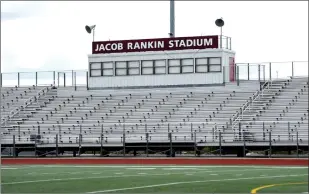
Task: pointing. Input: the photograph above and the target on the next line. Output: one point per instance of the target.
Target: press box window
(121, 68)
(133, 68)
(214, 64)
(174, 66)
(187, 65)
(159, 67)
(127, 68)
(95, 69)
(95, 72)
(147, 67)
(201, 65)
(107, 69)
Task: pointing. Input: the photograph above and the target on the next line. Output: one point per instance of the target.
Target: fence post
(18, 129)
(171, 146)
(80, 144)
(289, 130)
(54, 78)
(58, 79)
(36, 78)
(223, 73)
(75, 81)
(292, 69)
(87, 84)
(168, 127)
(237, 73)
(101, 148)
(264, 135)
(72, 78)
(124, 143)
(239, 130)
(264, 73)
(269, 71)
(270, 146)
(14, 146)
(35, 151)
(0, 79)
(248, 69)
(259, 71)
(64, 80)
(244, 148)
(57, 145)
(147, 141)
(18, 79)
(297, 144)
(195, 149)
(220, 145)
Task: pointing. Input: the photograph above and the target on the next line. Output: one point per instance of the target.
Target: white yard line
(162, 174)
(190, 182)
(141, 168)
(180, 168)
(7, 168)
(75, 172)
(71, 172)
(80, 178)
(117, 171)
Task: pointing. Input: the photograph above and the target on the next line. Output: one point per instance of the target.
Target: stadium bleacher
(195, 114)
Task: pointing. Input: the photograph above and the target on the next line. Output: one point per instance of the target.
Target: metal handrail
(262, 92)
(254, 137)
(235, 117)
(81, 125)
(37, 97)
(258, 97)
(247, 104)
(13, 113)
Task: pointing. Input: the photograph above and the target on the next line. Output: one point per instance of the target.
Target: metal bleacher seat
(82, 116)
(283, 114)
(116, 112)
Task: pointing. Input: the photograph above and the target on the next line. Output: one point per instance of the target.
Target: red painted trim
(154, 161)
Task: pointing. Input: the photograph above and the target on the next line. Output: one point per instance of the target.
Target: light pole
(172, 19)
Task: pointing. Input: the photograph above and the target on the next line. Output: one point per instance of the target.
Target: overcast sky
(51, 35)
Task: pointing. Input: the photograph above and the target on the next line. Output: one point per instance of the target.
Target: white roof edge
(160, 52)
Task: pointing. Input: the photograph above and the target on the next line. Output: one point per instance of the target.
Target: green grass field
(153, 179)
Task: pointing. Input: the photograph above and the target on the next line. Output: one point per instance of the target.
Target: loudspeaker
(219, 22)
(89, 28)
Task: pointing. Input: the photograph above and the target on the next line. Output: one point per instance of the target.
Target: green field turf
(153, 179)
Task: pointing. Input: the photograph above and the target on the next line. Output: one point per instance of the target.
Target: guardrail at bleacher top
(247, 71)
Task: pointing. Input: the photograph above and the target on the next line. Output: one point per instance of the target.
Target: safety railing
(239, 116)
(198, 141)
(272, 70)
(64, 78)
(28, 102)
